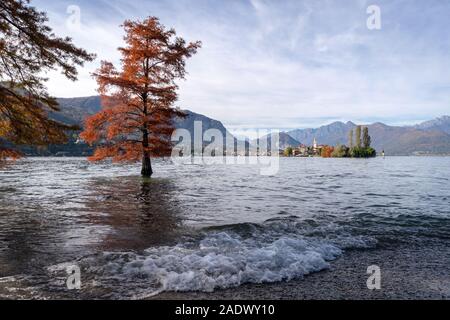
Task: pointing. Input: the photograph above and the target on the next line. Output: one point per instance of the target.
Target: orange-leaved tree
(326, 151)
(135, 122)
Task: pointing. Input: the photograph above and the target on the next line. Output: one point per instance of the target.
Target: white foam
(223, 260)
(216, 259)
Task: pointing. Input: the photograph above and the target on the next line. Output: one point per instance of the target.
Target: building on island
(317, 148)
(307, 151)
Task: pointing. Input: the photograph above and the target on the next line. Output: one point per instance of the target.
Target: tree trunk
(146, 162)
(146, 166)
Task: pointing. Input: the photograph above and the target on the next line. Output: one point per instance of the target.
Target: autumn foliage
(28, 49)
(326, 152)
(135, 122)
(8, 154)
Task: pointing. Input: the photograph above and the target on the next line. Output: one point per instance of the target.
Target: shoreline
(407, 272)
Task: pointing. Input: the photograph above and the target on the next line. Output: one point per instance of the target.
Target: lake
(206, 227)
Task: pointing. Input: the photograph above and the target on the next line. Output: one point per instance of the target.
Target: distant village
(359, 146)
(315, 150)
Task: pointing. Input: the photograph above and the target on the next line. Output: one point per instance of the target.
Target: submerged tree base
(146, 167)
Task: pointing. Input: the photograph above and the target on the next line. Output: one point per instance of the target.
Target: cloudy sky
(283, 64)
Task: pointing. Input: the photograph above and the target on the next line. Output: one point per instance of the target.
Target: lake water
(205, 227)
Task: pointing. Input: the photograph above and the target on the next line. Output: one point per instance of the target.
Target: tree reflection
(137, 212)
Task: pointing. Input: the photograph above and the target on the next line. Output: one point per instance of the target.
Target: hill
(285, 140)
(438, 124)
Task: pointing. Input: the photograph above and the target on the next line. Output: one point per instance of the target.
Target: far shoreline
(386, 156)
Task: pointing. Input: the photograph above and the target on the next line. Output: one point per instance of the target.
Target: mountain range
(430, 137)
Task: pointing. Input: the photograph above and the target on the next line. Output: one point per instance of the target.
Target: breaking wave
(222, 258)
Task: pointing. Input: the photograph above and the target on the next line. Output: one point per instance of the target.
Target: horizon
(282, 65)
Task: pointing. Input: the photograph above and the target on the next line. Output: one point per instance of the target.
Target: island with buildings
(358, 147)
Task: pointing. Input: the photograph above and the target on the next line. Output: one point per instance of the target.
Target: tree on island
(350, 139)
(28, 49)
(288, 152)
(366, 138)
(364, 150)
(326, 151)
(355, 151)
(341, 151)
(135, 122)
(358, 137)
